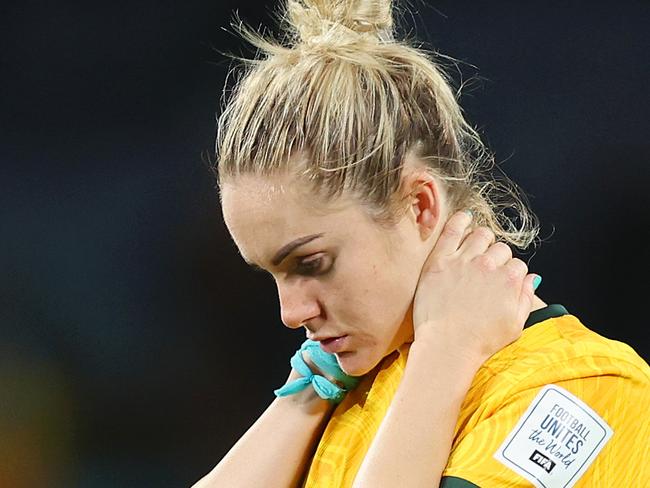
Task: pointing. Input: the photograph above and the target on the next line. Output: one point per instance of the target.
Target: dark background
(135, 346)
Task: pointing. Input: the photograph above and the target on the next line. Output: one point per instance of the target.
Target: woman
(348, 172)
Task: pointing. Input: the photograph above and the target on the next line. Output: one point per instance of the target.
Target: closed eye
(316, 265)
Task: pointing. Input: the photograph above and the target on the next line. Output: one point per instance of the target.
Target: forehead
(264, 213)
(262, 201)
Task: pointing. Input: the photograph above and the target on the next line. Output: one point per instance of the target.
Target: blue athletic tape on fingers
(327, 363)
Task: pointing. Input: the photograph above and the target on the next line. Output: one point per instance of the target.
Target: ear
(425, 201)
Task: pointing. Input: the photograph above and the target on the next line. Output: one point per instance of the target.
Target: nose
(297, 303)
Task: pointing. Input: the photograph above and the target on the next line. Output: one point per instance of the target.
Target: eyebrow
(289, 248)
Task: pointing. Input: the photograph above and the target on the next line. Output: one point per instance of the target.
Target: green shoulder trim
(454, 482)
(548, 312)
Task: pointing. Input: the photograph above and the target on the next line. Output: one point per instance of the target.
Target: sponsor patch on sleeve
(555, 440)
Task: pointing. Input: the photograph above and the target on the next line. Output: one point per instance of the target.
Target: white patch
(555, 440)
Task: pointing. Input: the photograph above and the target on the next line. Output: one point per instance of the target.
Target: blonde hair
(342, 90)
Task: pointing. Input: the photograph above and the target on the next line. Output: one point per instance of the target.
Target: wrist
(306, 402)
(436, 353)
(317, 369)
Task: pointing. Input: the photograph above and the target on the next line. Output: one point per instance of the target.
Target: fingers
(477, 242)
(515, 270)
(458, 236)
(452, 234)
(500, 253)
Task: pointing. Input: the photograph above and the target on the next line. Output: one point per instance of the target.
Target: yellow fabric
(353, 424)
(607, 375)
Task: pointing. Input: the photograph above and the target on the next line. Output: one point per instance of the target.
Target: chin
(354, 363)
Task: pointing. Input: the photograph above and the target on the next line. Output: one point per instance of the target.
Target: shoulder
(561, 349)
(558, 351)
(559, 382)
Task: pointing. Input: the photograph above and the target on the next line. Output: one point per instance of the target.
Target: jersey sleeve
(587, 431)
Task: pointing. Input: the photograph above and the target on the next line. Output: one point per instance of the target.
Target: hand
(472, 297)
(308, 399)
(314, 369)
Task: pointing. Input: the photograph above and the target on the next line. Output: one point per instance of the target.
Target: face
(338, 273)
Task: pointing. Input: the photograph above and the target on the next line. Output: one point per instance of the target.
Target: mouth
(333, 345)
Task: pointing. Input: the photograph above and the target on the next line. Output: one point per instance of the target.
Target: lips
(333, 344)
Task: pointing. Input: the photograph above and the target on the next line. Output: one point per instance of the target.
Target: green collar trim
(548, 312)
(455, 482)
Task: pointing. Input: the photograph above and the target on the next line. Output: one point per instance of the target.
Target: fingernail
(469, 212)
(536, 281)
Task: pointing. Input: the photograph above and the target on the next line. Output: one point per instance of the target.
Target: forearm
(412, 444)
(275, 450)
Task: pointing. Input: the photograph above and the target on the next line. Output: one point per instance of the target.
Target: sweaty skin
(431, 279)
(357, 279)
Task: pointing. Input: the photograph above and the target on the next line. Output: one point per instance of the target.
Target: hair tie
(327, 363)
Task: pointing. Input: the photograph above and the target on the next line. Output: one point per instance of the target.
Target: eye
(318, 264)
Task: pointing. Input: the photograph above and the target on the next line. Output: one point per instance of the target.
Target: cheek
(391, 283)
(373, 290)
(380, 297)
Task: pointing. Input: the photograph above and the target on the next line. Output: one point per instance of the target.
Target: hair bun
(330, 20)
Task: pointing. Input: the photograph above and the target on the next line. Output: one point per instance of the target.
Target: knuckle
(452, 231)
(502, 247)
(516, 270)
(512, 277)
(485, 262)
(484, 233)
(523, 267)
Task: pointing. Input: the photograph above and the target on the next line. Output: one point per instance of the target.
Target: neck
(537, 304)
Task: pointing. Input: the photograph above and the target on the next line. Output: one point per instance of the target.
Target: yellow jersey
(562, 406)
